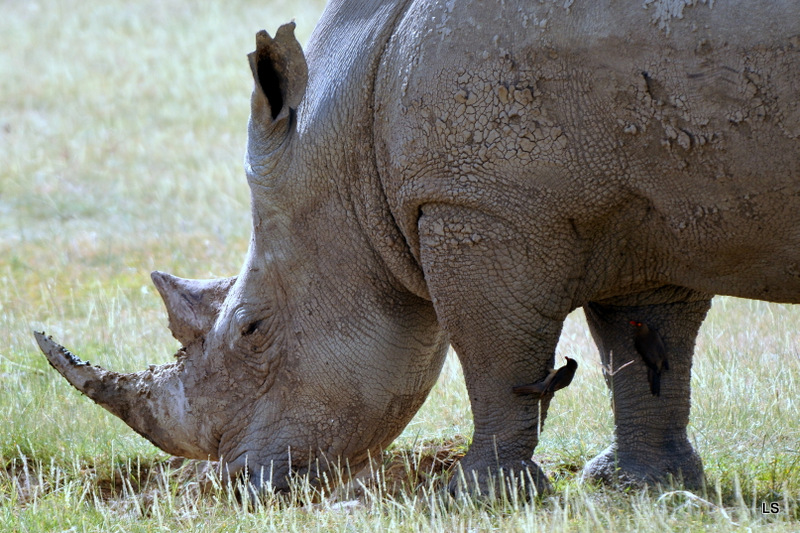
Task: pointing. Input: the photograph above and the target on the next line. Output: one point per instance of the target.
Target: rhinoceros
(468, 173)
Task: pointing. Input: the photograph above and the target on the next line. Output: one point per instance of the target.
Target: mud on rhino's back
(488, 81)
(542, 107)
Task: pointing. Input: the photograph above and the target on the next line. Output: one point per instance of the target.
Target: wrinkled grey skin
(472, 172)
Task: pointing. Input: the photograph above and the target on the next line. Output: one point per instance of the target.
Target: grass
(122, 131)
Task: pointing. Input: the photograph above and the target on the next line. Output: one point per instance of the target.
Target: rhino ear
(192, 304)
(280, 74)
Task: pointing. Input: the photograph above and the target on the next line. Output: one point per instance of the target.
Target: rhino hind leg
(650, 440)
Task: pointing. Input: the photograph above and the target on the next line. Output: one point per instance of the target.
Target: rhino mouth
(321, 475)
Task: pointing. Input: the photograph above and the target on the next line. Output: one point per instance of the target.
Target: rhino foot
(524, 479)
(628, 469)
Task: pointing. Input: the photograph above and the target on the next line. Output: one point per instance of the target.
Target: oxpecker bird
(555, 380)
(654, 354)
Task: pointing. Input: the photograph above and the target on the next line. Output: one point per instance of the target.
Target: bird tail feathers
(654, 378)
(532, 388)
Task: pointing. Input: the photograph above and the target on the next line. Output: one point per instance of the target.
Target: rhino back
(656, 128)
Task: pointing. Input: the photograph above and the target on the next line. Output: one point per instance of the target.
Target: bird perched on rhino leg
(654, 354)
(555, 380)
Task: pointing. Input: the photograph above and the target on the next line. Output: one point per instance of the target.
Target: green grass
(122, 131)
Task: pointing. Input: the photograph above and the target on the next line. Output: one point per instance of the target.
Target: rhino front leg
(482, 281)
(650, 441)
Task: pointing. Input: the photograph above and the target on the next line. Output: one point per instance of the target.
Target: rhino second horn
(192, 304)
(151, 402)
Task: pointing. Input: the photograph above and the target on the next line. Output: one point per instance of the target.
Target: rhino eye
(251, 328)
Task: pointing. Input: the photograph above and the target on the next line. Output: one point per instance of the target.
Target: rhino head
(316, 354)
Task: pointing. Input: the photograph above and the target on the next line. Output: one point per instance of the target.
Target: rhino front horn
(151, 402)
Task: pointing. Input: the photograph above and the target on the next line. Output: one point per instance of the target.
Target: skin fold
(470, 172)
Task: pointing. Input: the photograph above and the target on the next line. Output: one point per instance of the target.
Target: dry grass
(122, 130)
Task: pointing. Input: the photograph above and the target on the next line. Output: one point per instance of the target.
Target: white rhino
(471, 172)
